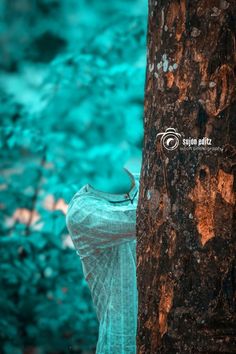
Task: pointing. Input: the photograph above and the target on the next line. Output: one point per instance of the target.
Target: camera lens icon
(170, 139)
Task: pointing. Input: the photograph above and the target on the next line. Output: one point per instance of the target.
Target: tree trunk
(186, 242)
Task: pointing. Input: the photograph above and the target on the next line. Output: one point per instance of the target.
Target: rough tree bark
(186, 242)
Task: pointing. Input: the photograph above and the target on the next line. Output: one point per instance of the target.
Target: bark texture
(186, 249)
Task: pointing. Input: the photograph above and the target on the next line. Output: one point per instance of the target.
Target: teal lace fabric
(103, 230)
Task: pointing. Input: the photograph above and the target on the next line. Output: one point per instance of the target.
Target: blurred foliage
(71, 103)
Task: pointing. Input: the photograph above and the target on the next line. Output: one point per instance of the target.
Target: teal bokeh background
(71, 105)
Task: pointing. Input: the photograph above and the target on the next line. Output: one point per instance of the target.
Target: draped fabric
(103, 229)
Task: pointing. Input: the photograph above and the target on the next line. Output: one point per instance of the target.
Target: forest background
(71, 103)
